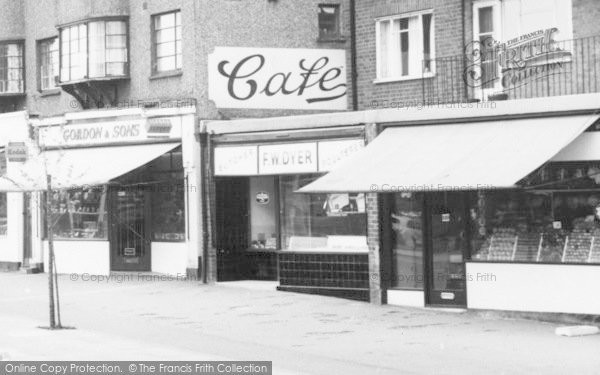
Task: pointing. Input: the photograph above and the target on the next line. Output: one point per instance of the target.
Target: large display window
(282, 219)
(3, 214)
(162, 180)
(79, 214)
(540, 226)
(321, 222)
(168, 208)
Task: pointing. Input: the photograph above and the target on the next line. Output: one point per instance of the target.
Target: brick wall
(206, 24)
(582, 75)
(448, 41)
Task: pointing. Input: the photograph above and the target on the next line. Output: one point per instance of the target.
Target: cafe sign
(278, 78)
(113, 132)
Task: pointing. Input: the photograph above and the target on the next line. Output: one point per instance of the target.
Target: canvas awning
(470, 156)
(73, 168)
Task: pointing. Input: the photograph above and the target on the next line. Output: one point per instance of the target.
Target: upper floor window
(405, 46)
(11, 68)
(329, 21)
(95, 49)
(48, 63)
(167, 51)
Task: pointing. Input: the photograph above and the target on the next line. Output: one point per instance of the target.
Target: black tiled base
(340, 275)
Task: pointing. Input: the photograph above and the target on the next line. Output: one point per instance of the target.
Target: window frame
(86, 76)
(496, 34)
(21, 43)
(432, 53)
(153, 44)
(337, 35)
(40, 59)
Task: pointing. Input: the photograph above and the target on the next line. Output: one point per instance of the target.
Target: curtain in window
(384, 45)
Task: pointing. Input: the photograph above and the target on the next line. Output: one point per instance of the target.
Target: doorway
(447, 248)
(129, 240)
(232, 227)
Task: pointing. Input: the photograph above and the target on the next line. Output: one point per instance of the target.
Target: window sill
(331, 39)
(402, 79)
(171, 73)
(77, 239)
(9, 94)
(50, 92)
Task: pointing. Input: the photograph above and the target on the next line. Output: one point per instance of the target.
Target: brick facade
(205, 25)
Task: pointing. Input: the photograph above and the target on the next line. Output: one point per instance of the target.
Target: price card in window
(445, 218)
(557, 225)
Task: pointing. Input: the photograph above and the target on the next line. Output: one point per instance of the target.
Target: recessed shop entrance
(129, 240)
(247, 228)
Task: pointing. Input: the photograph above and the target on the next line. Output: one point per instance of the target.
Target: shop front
(265, 231)
(14, 240)
(122, 187)
(487, 212)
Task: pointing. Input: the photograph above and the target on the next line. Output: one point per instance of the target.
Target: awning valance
(73, 168)
(471, 156)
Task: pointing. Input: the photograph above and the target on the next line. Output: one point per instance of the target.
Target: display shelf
(502, 244)
(594, 255)
(577, 247)
(528, 245)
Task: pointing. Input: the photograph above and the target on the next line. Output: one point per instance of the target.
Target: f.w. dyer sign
(280, 78)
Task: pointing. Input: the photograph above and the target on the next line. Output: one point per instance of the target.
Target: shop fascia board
(441, 114)
(98, 115)
(141, 112)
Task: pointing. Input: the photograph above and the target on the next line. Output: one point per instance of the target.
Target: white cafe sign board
(283, 158)
(110, 132)
(278, 78)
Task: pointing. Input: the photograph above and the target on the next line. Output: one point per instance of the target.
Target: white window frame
(54, 75)
(481, 93)
(84, 53)
(6, 83)
(420, 52)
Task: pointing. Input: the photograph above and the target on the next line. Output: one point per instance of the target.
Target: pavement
(131, 318)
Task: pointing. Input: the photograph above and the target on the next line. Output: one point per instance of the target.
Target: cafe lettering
(278, 78)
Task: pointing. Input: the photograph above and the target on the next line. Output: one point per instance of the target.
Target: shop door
(130, 243)
(232, 227)
(447, 249)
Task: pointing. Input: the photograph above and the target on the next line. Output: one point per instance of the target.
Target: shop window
(405, 46)
(264, 211)
(329, 21)
(3, 214)
(321, 222)
(167, 43)
(48, 63)
(167, 186)
(407, 241)
(95, 49)
(79, 214)
(540, 226)
(168, 209)
(11, 68)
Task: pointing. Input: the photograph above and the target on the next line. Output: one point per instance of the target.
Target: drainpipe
(353, 55)
(205, 173)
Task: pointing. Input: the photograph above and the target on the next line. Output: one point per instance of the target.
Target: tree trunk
(50, 251)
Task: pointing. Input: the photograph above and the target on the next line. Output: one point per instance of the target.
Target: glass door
(130, 243)
(447, 249)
